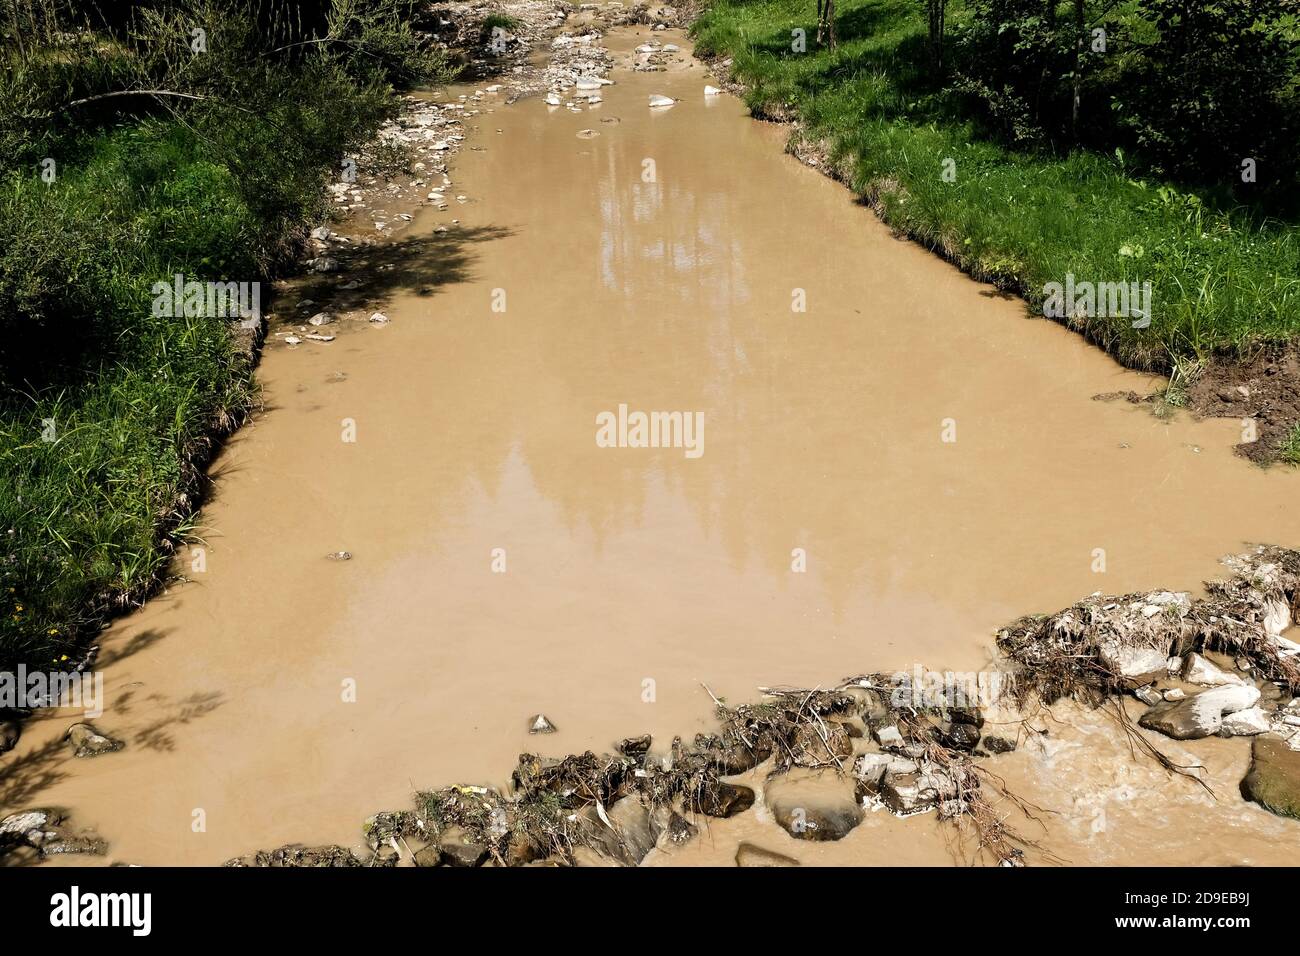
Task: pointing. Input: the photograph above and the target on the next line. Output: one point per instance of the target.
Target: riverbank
(1225, 305)
(140, 229)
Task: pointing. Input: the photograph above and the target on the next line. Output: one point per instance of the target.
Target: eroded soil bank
(503, 564)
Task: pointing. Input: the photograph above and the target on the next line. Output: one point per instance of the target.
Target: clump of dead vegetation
(1092, 650)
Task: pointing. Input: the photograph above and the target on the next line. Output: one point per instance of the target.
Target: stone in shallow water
(1245, 723)
(747, 854)
(539, 724)
(1273, 780)
(1203, 671)
(724, 799)
(1200, 715)
(814, 806)
(86, 741)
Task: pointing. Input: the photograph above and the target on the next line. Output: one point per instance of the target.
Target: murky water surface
(654, 265)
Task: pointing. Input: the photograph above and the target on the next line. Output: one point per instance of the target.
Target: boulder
(1200, 715)
(718, 799)
(747, 854)
(1135, 665)
(814, 813)
(1245, 723)
(1273, 780)
(1203, 671)
(86, 741)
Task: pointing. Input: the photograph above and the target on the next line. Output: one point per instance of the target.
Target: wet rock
(907, 793)
(1245, 723)
(658, 101)
(22, 827)
(816, 807)
(998, 745)
(459, 848)
(711, 90)
(1174, 693)
(718, 799)
(56, 841)
(378, 318)
(1273, 780)
(320, 318)
(747, 854)
(889, 737)
(870, 769)
(1203, 671)
(539, 724)
(86, 741)
(963, 737)
(1148, 695)
(1200, 715)
(339, 556)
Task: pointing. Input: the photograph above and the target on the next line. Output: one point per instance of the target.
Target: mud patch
(1264, 388)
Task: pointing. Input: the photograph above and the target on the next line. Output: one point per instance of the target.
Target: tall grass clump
(132, 153)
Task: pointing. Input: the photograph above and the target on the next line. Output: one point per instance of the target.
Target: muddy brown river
(576, 282)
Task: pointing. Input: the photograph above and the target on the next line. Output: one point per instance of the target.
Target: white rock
(656, 100)
(292, 340)
(1138, 664)
(1246, 723)
(712, 91)
(1199, 670)
(322, 233)
(539, 724)
(320, 318)
(379, 318)
(552, 99)
(1277, 618)
(315, 337)
(1175, 693)
(588, 83)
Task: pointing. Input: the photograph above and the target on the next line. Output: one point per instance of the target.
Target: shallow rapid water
(636, 575)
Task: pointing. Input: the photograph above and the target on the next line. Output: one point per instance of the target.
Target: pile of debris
(1218, 665)
(829, 755)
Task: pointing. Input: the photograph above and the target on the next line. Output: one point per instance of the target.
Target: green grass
(1223, 278)
(1290, 450)
(108, 412)
(94, 460)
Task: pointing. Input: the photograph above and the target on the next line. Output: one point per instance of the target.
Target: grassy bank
(1026, 210)
(111, 406)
